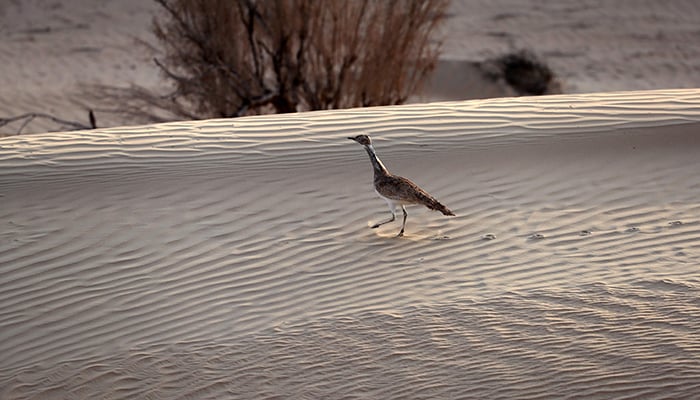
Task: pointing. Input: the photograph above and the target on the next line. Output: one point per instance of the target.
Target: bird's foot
(375, 226)
(400, 234)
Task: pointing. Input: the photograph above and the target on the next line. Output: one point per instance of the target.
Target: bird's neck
(379, 168)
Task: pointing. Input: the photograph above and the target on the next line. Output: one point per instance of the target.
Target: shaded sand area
(593, 46)
(50, 50)
(233, 258)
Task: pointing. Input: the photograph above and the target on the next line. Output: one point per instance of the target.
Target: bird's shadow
(411, 236)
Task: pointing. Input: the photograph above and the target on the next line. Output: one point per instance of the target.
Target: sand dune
(234, 259)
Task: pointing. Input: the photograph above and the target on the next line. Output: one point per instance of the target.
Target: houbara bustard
(396, 190)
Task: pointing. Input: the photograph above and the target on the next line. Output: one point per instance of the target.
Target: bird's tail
(433, 204)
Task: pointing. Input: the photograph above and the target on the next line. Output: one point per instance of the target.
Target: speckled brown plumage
(404, 191)
(397, 190)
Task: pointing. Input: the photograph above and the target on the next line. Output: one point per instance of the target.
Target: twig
(93, 121)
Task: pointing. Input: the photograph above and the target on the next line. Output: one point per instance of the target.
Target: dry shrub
(228, 58)
(526, 73)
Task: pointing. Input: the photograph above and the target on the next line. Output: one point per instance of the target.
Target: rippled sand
(234, 259)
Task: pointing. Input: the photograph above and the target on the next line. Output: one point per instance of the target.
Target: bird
(396, 190)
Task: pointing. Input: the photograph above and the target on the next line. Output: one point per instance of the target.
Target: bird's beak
(351, 138)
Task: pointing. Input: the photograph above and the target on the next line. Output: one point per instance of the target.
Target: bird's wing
(401, 189)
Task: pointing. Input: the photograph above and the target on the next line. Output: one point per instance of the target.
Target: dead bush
(526, 73)
(228, 58)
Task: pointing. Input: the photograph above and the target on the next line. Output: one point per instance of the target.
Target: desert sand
(233, 259)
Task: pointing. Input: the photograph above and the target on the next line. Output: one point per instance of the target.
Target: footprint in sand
(585, 232)
(675, 223)
(632, 229)
(440, 237)
(488, 236)
(536, 236)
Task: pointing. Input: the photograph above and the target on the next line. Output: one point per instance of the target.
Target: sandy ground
(234, 259)
(51, 49)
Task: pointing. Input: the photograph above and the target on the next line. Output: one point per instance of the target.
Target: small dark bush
(525, 73)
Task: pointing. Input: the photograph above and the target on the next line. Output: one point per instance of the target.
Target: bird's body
(397, 190)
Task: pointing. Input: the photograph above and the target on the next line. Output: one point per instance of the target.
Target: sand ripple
(233, 258)
(596, 342)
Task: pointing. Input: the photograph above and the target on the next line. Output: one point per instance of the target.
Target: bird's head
(362, 139)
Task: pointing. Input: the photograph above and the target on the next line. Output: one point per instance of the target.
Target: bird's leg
(405, 214)
(392, 208)
(378, 224)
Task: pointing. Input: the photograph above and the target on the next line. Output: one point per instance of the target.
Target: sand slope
(51, 50)
(234, 259)
(592, 46)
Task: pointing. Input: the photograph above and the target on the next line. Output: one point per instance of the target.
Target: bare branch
(29, 117)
